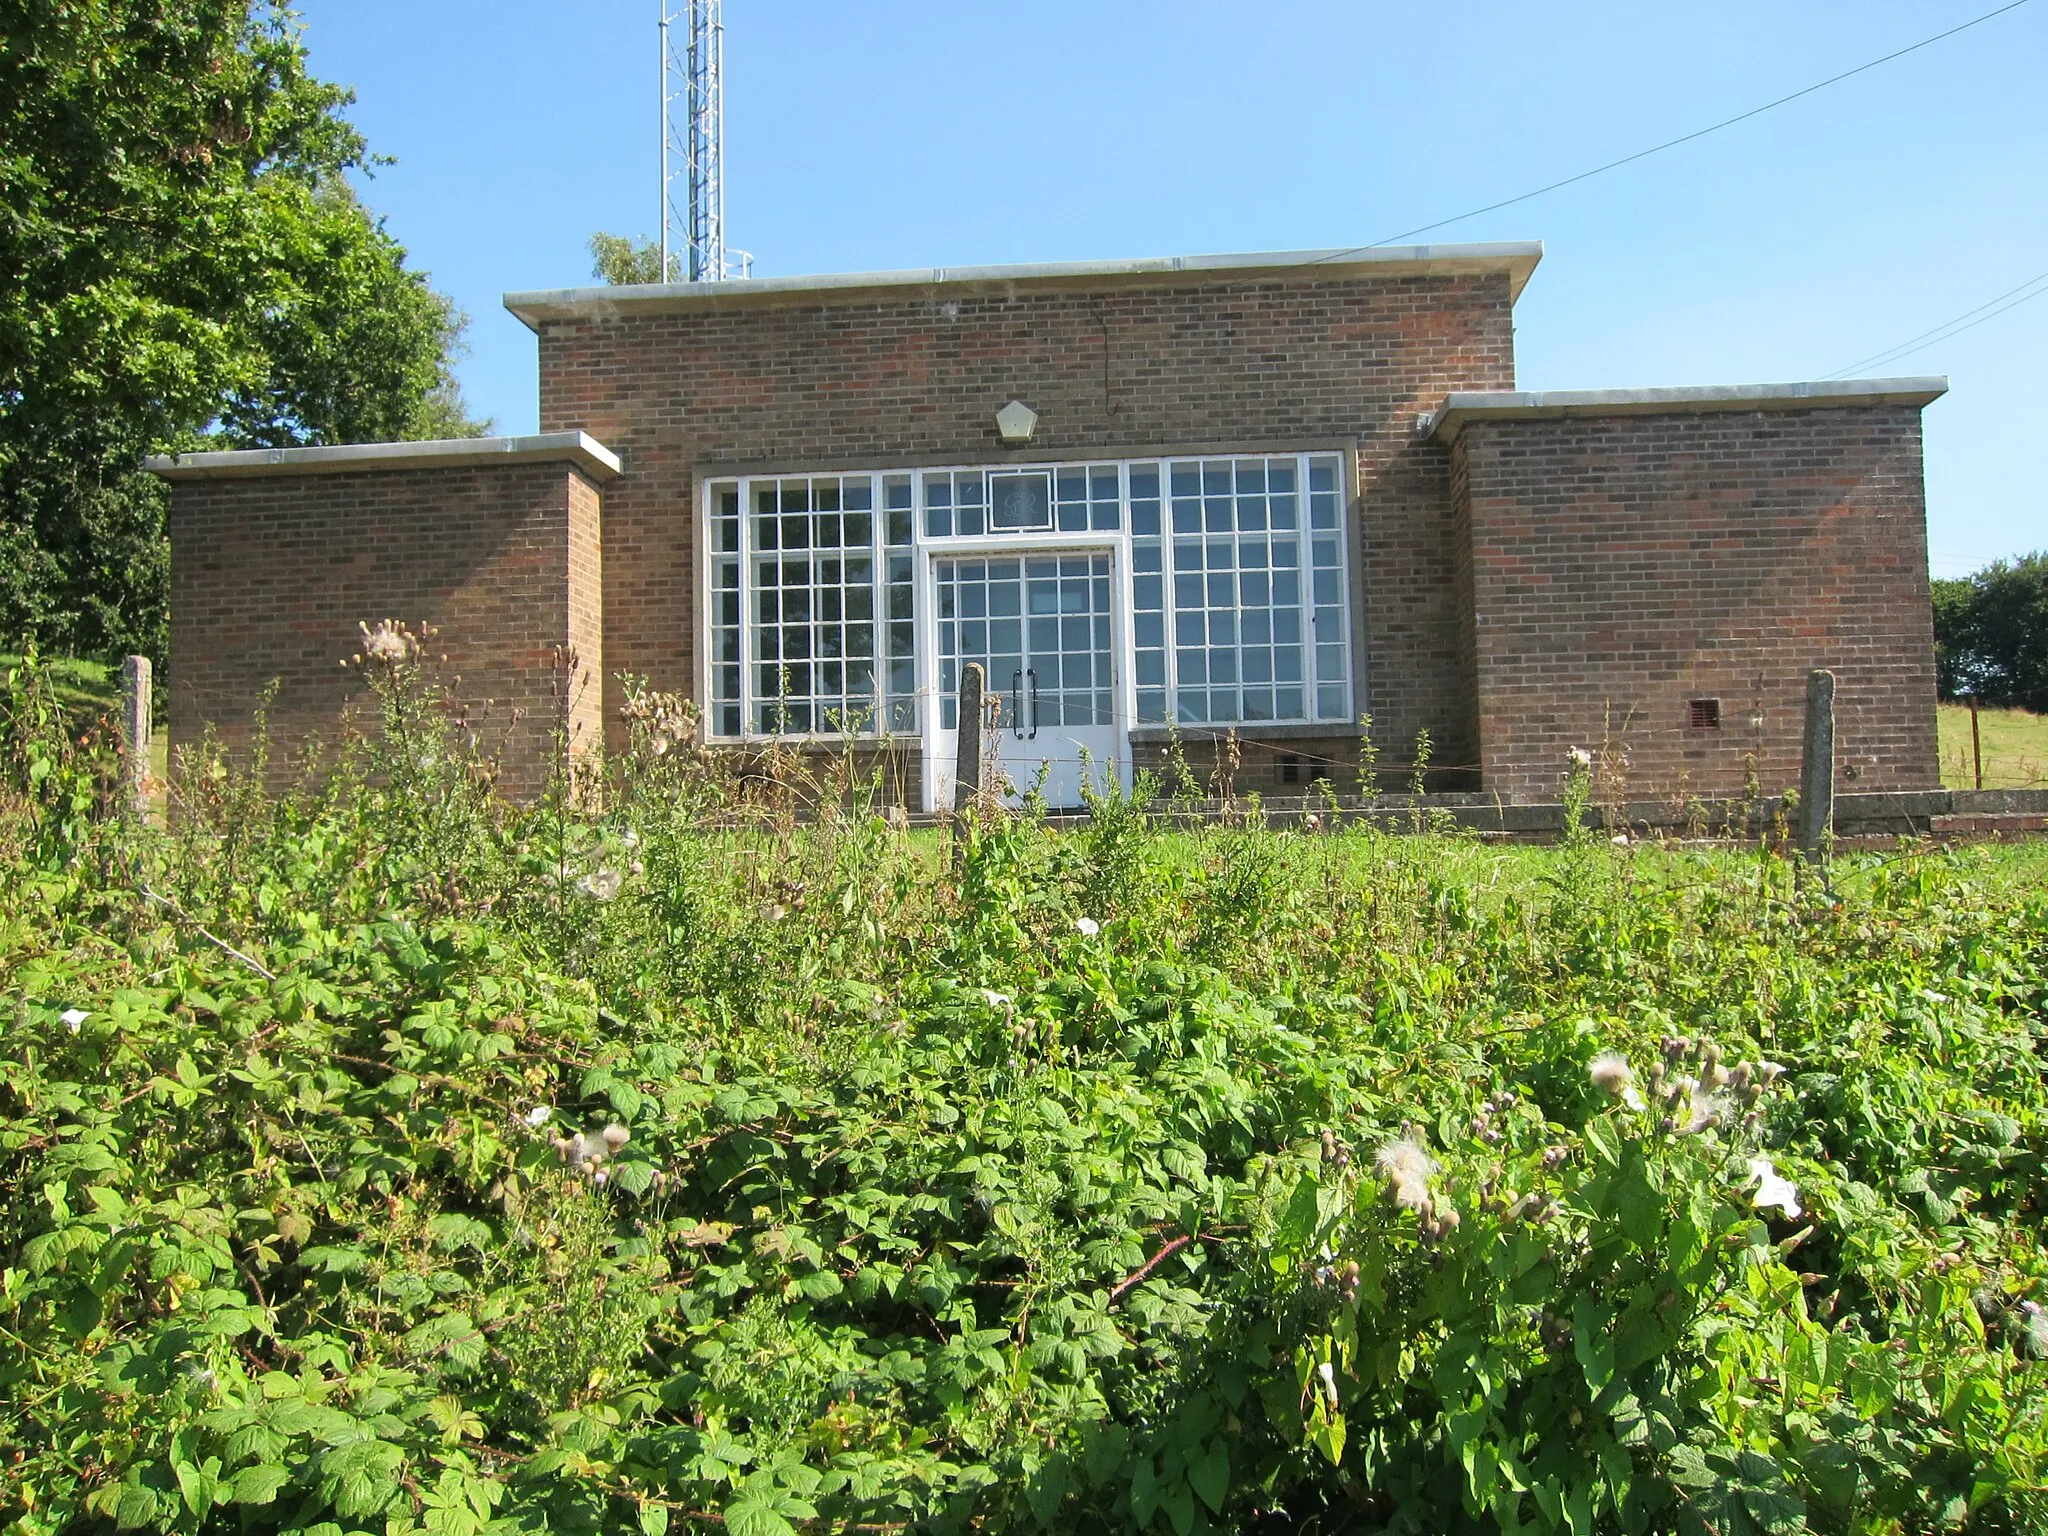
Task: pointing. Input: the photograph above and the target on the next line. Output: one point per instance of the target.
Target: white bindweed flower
(601, 884)
(1087, 927)
(1633, 1100)
(1328, 1373)
(73, 1017)
(997, 999)
(537, 1116)
(1771, 1189)
(1620, 839)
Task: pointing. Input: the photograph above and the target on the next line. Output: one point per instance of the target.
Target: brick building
(1243, 498)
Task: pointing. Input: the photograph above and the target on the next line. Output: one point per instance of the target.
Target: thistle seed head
(1611, 1073)
(1403, 1160)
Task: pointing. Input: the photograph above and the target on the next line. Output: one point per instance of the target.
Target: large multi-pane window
(1234, 570)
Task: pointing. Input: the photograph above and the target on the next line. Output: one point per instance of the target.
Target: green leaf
(1179, 1504)
(1834, 1472)
(1636, 1200)
(1209, 1475)
(1046, 1488)
(1590, 1344)
(137, 1508)
(748, 1515)
(197, 1484)
(259, 1484)
(1144, 1491)
(361, 1476)
(451, 1231)
(1298, 1221)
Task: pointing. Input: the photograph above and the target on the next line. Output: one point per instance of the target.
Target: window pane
(809, 627)
(814, 604)
(1020, 502)
(1241, 620)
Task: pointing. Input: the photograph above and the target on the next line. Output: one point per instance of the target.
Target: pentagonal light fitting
(1016, 422)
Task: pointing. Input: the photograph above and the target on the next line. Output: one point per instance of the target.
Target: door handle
(1032, 673)
(1016, 705)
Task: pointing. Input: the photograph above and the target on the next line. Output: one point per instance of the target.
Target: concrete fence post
(967, 754)
(136, 707)
(1817, 766)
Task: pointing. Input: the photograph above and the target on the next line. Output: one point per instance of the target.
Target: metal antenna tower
(693, 145)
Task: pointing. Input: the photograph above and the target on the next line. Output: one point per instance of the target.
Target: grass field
(2014, 743)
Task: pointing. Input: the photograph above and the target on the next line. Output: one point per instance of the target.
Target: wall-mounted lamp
(1016, 422)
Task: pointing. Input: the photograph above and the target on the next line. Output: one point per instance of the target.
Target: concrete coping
(578, 448)
(1516, 258)
(1507, 405)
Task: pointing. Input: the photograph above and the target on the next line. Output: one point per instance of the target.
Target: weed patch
(382, 1156)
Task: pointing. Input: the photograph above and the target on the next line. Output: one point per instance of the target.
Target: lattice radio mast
(693, 145)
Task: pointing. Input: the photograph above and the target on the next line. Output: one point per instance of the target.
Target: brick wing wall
(916, 377)
(1624, 566)
(270, 577)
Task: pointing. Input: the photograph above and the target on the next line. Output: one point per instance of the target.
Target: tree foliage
(1991, 634)
(181, 256)
(390, 1159)
(619, 259)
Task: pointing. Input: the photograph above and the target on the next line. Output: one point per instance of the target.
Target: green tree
(1954, 601)
(617, 259)
(1991, 634)
(181, 263)
(361, 352)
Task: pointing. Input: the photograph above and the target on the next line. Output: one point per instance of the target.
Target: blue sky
(904, 135)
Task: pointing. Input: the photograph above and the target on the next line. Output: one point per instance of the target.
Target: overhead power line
(1955, 327)
(1687, 138)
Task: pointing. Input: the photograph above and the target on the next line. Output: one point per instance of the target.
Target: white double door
(1043, 626)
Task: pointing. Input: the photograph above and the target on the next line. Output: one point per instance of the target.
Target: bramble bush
(383, 1157)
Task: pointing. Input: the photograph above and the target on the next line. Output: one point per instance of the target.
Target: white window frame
(923, 547)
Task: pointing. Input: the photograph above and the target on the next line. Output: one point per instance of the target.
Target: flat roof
(1516, 258)
(578, 448)
(1508, 405)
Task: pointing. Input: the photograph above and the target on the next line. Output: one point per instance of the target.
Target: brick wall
(869, 379)
(271, 575)
(1623, 566)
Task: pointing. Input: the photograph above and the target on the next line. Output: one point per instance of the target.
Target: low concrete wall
(1859, 818)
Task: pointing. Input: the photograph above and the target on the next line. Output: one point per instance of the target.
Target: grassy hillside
(82, 686)
(394, 1159)
(2014, 744)
(88, 690)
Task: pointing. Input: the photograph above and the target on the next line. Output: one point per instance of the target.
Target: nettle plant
(699, 1149)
